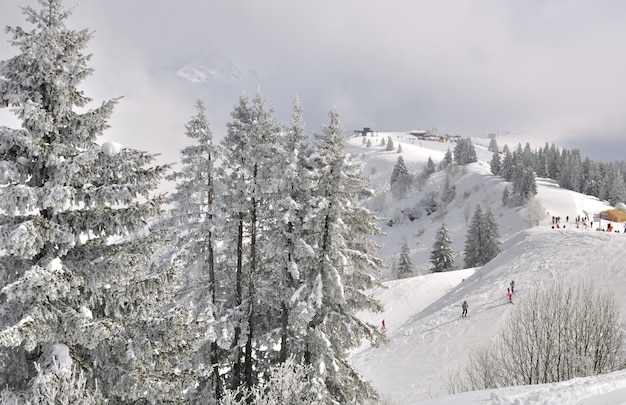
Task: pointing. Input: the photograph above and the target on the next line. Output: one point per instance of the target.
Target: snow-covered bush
(556, 334)
(287, 384)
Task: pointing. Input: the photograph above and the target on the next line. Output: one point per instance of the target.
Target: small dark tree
(430, 167)
(447, 158)
(430, 203)
(505, 196)
(506, 167)
(449, 191)
(493, 145)
(390, 145)
(495, 164)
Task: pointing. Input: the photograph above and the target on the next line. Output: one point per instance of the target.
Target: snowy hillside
(427, 337)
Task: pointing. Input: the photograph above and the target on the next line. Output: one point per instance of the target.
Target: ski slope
(427, 337)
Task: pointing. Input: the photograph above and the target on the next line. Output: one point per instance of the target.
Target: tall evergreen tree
(252, 161)
(346, 261)
(293, 237)
(571, 176)
(592, 181)
(401, 180)
(507, 168)
(194, 218)
(524, 184)
(399, 170)
(442, 255)
(475, 239)
(491, 245)
(495, 164)
(75, 225)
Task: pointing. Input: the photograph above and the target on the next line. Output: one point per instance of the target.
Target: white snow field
(427, 337)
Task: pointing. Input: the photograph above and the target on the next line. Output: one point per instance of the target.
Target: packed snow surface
(428, 339)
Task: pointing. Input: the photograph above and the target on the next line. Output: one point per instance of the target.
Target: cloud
(467, 67)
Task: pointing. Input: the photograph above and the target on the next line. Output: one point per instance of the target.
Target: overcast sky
(553, 69)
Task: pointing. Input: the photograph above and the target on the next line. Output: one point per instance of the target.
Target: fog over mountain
(214, 66)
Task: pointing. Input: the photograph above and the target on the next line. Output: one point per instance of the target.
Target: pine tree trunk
(253, 269)
(236, 380)
(284, 335)
(214, 356)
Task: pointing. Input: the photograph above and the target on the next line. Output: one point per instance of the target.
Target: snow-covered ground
(427, 337)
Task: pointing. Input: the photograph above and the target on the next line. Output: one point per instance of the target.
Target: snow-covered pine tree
(399, 170)
(390, 146)
(405, 267)
(442, 255)
(335, 290)
(491, 245)
(464, 152)
(507, 167)
(75, 223)
(592, 180)
(475, 239)
(617, 190)
(495, 164)
(449, 191)
(195, 245)
(430, 167)
(505, 196)
(524, 185)
(292, 235)
(571, 176)
(493, 145)
(252, 177)
(447, 158)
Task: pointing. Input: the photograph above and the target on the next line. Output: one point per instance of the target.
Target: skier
(512, 286)
(383, 324)
(464, 306)
(508, 291)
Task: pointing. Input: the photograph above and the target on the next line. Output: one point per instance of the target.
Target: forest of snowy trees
(599, 179)
(251, 271)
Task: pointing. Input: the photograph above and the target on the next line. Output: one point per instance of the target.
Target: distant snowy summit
(214, 66)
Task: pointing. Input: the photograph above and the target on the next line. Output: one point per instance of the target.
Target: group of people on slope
(509, 291)
(582, 222)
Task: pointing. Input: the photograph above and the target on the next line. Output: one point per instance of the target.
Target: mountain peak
(214, 66)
